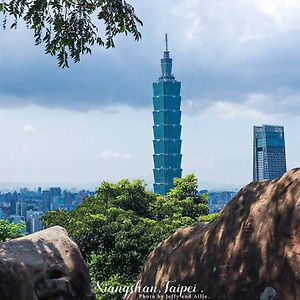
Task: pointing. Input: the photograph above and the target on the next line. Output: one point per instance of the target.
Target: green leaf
(72, 24)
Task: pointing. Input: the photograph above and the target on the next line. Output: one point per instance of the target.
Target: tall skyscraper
(55, 192)
(46, 200)
(21, 209)
(167, 128)
(12, 204)
(269, 161)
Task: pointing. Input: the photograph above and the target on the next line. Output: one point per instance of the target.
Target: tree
(187, 187)
(69, 28)
(10, 231)
(118, 227)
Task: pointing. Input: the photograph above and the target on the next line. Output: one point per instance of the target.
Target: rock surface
(250, 251)
(45, 265)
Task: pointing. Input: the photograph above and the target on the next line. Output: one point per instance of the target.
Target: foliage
(208, 218)
(118, 227)
(10, 231)
(187, 187)
(70, 27)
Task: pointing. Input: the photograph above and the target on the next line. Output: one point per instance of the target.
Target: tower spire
(166, 61)
(166, 38)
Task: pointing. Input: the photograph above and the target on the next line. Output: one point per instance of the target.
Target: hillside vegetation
(118, 227)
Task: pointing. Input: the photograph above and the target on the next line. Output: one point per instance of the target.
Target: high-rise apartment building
(269, 160)
(21, 209)
(167, 128)
(34, 222)
(55, 192)
(46, 200)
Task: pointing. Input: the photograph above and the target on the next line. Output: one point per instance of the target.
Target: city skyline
(29, 206)
(82, 124)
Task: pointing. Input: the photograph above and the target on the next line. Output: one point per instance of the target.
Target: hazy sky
(239, 64)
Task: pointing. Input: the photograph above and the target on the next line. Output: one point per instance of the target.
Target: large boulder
(46, 265)
(251, 251)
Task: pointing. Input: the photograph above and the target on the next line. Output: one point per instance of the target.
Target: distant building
(55, 203)
(12, 198)
(18, 208)
(55, 192)
(21, 209)
(218, 200)
(61, 202)
(6, 212)
(46, 199)
(269, 158)
(68, 200)
(12, 206)
(30, 205)
(15, 219)
(202, 192)
(23, 190)
(34, 222)
(167, 128)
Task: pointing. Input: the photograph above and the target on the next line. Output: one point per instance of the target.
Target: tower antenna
(167, 49)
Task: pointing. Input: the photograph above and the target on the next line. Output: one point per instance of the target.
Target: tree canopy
(68, 28)
(10, 231)
(118, 227)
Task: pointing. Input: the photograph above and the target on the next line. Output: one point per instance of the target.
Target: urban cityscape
(269, 156)
(149, 150)
(269, 160)
(29, 206)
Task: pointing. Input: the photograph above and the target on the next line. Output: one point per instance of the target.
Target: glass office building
(167, 128)
(269, 160)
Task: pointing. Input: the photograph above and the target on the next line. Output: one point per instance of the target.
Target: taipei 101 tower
(167, 128)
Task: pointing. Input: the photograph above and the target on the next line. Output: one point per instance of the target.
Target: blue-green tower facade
(167, 128)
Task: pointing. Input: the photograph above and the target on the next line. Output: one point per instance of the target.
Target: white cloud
(226, 109)
(29, 128)
(285, 14)
(230, 110)
(227, 30)
(254, 106)
(114, 155)
(277, 105)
